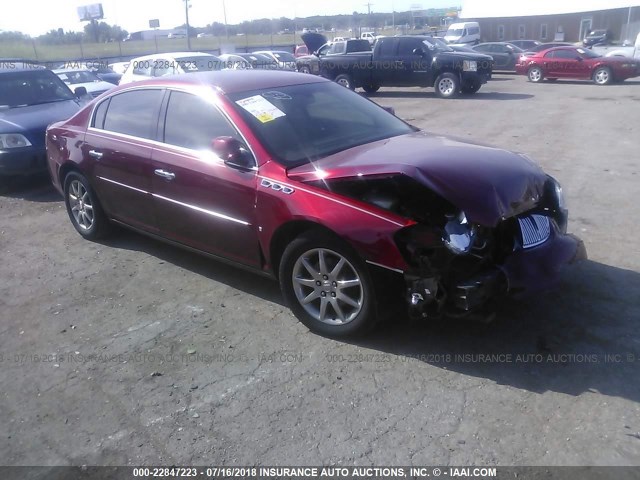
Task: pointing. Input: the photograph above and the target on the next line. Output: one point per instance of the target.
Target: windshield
(437, 44)
(81, 76)
(302, 123)
(284, 57)
(202, 63)
(32, 88)
(587, 53)
(457, 32)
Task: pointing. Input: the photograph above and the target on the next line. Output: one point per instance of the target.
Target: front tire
(83, 207)
(371, 88)
(327, 286)
(345, 81)
(304, 69)
(535, 75)
(447, 85)
(603, 76)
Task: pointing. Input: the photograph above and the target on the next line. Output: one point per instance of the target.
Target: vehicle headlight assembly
(459, 234)
(470, 66)
(13, 140)
(557, 188)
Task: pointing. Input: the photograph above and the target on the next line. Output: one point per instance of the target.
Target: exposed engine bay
(458, 267)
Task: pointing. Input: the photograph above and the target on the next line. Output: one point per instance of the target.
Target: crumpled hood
(487, 183)
(33, 120)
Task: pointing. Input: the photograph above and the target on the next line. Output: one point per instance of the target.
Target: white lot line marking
(138, 327)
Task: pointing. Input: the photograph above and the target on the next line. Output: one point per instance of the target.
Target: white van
(467, 32)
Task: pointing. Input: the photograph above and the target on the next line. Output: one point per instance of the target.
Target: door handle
(95, 154)
(164, 174)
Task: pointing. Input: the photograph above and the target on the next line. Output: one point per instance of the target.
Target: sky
(36, 17)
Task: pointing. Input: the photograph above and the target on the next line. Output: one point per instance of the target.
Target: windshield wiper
(51, 101)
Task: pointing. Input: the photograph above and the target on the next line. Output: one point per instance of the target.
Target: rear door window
(134, 113)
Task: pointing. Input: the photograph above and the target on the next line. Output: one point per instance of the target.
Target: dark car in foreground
(578, 63)
(505, 55)
(297, 178)
(31, 98)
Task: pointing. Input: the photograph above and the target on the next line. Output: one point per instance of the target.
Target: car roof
(230, 81)
(173, 55)
(66, 70)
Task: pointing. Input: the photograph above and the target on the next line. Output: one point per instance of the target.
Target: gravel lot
(97, 339)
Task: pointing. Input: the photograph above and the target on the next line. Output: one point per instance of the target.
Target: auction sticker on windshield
(261, 108)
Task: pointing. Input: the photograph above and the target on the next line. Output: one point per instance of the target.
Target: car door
(412, 69)
(500, 56)
(199, 200)
(567, 64)
(387, 68)
(118, 145)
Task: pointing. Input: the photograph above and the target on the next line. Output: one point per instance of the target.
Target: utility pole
(224, 11)
(186, 16)
(368, 5)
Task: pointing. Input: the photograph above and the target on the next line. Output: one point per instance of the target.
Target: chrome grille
(535, 230)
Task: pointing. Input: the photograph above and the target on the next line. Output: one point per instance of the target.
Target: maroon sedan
(580, 63)
(300, 179)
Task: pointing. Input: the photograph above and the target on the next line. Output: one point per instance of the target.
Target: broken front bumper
(524, 271)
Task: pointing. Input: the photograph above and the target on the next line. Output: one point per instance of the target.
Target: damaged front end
(458, 267)
(474, 266)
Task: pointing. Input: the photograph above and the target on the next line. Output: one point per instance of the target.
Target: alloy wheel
(81, 205)
(446, 86)
(327, 286)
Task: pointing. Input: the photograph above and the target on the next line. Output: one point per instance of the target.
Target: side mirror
(80, 92)
(233, 152)
(579, 59)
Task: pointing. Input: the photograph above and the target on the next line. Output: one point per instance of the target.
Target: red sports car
(580, 63)
(300, 179)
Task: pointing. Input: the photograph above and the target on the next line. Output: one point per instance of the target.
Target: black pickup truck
(320, 48)
(410, 61)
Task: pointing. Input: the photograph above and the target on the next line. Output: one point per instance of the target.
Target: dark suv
(31, 98)
(595, 37)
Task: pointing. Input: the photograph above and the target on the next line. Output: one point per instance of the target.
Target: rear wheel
(447, 85)
(603, 76)
(83, 207)
(345, 81)
(371, 88)
(535, 74)
(327, 286)
(304, 69)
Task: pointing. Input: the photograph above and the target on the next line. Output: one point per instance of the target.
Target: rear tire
(83, 207)
(535, 75)
(345, 81)
(371, 88)
(447, 85)
(327, 285)
(304, 69)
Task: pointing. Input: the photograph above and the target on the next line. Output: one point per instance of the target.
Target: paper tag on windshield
(261, 108)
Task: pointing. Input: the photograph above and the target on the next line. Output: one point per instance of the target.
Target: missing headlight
(458, 234)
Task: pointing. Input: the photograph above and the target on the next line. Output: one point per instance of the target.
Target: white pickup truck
(631, 51)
